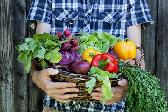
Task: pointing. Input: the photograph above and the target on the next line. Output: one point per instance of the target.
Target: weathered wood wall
(6, 58)
(19, 94)
(162, 43)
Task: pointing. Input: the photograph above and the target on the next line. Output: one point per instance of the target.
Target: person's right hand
(56, 90)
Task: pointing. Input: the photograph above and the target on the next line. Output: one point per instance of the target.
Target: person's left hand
(119, 92)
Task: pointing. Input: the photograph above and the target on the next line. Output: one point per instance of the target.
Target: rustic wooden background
(17, 92)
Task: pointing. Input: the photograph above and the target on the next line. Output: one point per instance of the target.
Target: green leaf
(103, 76)
(109, 37)
(43, 63)
(113, 75)
(25, 58)
(28, 40)
(53, 56)
(49, 44)
(99, 77)
(43, 47)
(106, 89)
(39, 53)
(83, 47)
(23, 47)
(27, 64)
(93, 39)
(90, 84)
(92, 71)
(44, 36)
(99, 41)
(32, 45)
(84, 38)
(95, 70)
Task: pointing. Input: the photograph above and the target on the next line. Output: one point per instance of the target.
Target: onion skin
(80, 67)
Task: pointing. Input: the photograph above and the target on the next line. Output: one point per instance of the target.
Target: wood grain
(35, 95)
(6, 58)
(149, 39)
(162, 44)
(20, 77)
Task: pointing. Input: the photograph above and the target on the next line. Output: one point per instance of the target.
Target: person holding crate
(122, 18)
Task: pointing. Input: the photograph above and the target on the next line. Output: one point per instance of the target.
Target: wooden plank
(6, 58)
(20, 78)
(35, 98)
(162, 44)
(35, 95)
(149, 38)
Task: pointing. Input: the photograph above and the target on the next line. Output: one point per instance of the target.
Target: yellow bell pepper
(125, 49)
(89, 53)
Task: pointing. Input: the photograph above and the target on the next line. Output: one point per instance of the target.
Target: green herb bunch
(43, 47)
(144, 93)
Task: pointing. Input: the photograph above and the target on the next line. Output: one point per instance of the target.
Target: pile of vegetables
(100, 56)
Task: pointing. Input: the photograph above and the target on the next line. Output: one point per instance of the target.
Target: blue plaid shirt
(112, 16)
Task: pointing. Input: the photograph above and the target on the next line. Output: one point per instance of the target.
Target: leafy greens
(44, 47)
(102, 76)
(99, 41)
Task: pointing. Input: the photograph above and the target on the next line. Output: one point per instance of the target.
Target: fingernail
(122, 82)
(52, 71)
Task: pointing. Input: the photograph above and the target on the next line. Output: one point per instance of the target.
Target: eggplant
(80, 67)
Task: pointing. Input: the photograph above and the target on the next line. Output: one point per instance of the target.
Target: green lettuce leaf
(104, 78)
(42, 47)
(99, 41)
(39, 53)
(32, 44)
(53, 56)
(27, 64)
(23, 47)
(106, 89)
(25, 58)
(90, 84)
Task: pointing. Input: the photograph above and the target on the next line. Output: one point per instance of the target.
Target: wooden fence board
(149, 38)
(162, 43)
(20, 78)
(35, 95)
(6, 58)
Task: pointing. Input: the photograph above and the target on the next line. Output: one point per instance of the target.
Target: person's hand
(140, 60)
(119, 92)
(56, 90)
(131, 62)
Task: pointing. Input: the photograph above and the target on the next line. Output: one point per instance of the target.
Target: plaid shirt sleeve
(40, 10)
(138, 12)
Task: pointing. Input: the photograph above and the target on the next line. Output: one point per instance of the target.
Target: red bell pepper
(106, 62)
